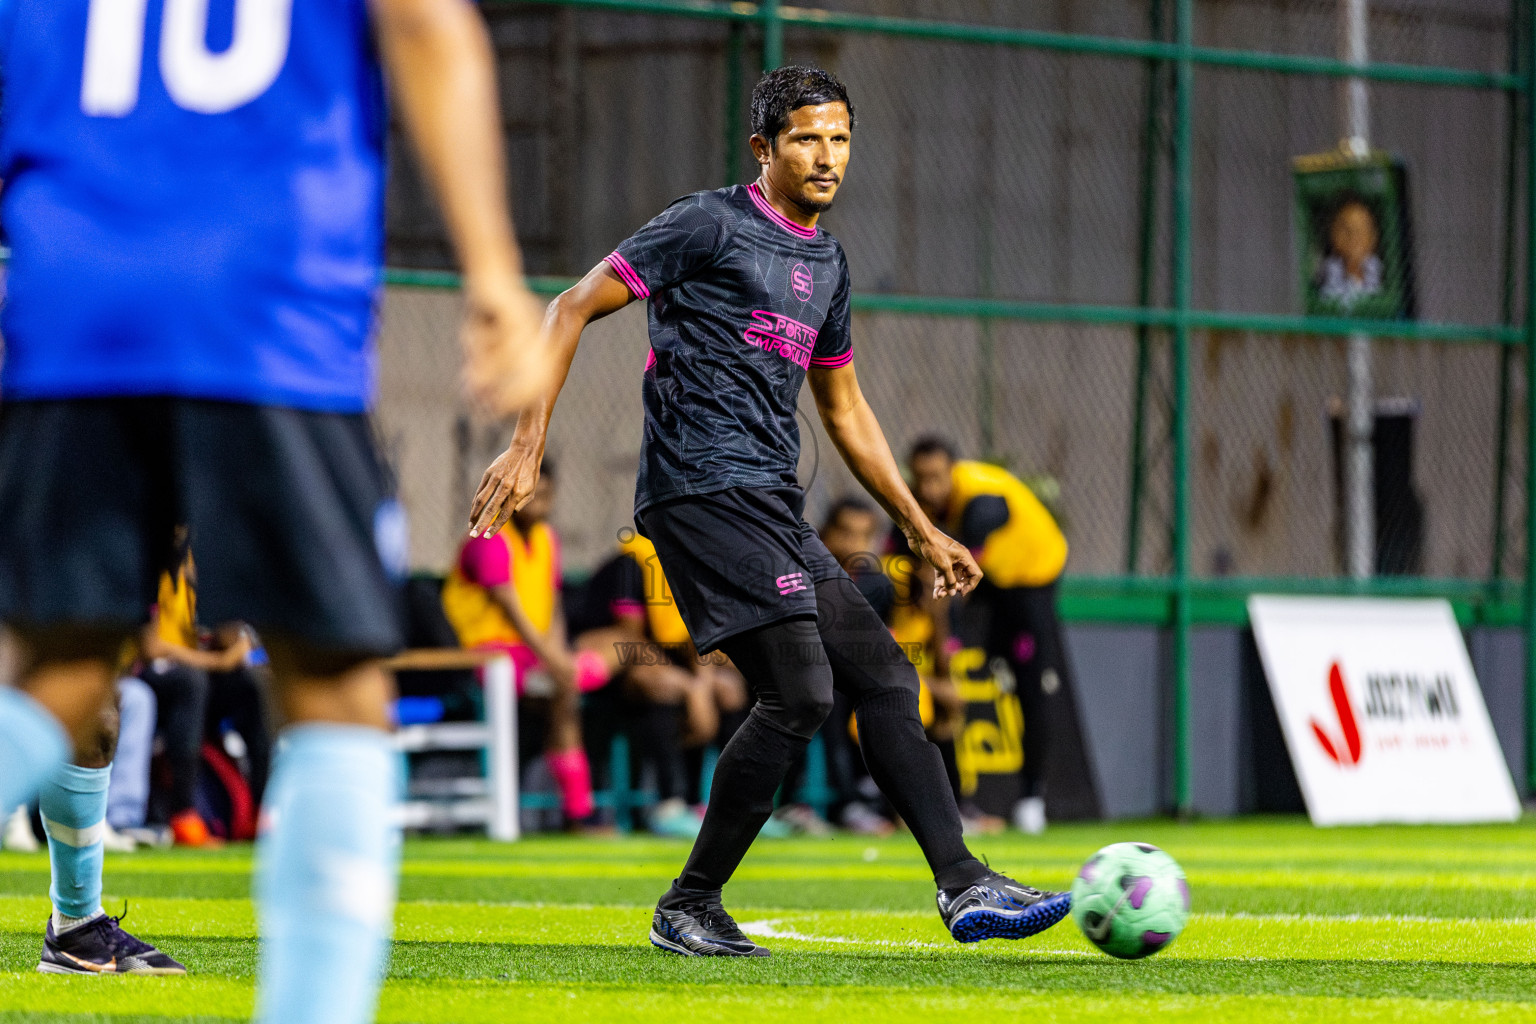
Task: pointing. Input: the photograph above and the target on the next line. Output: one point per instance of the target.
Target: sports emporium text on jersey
(775, 332)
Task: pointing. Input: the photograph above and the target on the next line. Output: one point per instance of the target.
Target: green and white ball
(1130, 900)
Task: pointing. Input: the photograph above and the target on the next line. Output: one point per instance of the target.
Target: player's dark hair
(547, 468)
(844, 505)
(787, 89)
(932, 444)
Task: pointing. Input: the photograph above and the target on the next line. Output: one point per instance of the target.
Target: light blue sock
(31, 744)
(327, 866)
(74, 806)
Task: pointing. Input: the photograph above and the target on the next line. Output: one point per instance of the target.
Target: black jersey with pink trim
(742, 302)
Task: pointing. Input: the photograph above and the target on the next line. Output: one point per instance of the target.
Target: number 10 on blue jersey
(195, 78)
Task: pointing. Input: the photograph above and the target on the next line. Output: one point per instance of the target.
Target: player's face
(851, 533)
(807, 161)
(931, 482)
(539, 506)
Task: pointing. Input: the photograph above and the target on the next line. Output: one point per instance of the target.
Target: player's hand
(955, 571)
(507, 361)
(505, 487)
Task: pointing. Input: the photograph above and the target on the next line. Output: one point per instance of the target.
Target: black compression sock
(961, 876)
(951, 764)
(741, 798)
(910, 772)
(679, 895)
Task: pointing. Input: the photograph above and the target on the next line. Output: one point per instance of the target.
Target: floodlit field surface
(1290, 923)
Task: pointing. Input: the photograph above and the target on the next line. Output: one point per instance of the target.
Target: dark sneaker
(699, 927)
(102, 947)
(997, 907)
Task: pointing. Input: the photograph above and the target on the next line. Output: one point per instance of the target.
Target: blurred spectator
(176, 666)
(18, 836)
(851, 532)
(128, 792)
(664, 696)
(1022, 552)
(504, 593)
(236, 721)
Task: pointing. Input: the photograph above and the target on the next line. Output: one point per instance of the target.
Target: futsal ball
(1131, 900)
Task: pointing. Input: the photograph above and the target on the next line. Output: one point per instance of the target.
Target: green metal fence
(1159, 582)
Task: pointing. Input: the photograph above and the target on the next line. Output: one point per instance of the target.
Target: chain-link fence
(1032, 171)
(1117, 247)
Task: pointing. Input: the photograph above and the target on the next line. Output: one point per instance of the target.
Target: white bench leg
(501, 717)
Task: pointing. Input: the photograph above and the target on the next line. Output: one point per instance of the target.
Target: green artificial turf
(1291, 923)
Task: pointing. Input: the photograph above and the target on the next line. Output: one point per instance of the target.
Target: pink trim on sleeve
(485, 561)
(833, 362)
(627, 274)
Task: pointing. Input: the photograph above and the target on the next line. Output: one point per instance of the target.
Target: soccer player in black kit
(746, 298)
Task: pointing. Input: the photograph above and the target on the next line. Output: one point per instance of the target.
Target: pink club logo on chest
(801, 282)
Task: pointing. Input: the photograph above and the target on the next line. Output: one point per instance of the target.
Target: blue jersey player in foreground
(747, 297)
(194, 200)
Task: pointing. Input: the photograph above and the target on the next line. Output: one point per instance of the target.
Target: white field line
(770, 930)
(1240, 915)
(1218, 915)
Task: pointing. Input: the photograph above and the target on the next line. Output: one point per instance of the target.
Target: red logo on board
(1345, 752)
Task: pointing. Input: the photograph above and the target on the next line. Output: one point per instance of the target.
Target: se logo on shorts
(790, 583)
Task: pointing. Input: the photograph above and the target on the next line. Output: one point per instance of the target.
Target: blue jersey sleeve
(678, 243)
(834, 344)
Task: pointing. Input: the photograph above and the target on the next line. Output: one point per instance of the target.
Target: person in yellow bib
(503, 593)
(1022, 552)
(177, 664)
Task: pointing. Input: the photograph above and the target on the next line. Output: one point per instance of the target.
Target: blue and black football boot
(693, 923)
(997, 907)
(102, 947)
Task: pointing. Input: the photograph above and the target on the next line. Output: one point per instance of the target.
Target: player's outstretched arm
(509, 481)
(851, 424)
(443, 77)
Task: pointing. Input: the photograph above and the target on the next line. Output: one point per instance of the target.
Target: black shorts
(292, 519)
(738, 559)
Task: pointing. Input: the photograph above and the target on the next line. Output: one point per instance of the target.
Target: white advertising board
(1381, 711)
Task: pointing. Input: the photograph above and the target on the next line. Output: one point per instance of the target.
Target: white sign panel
(1382, 714)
